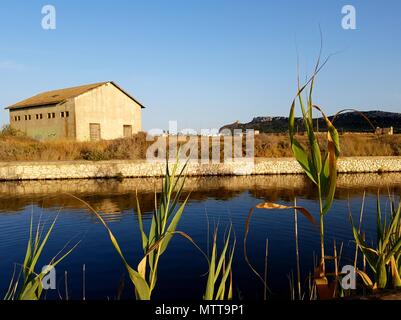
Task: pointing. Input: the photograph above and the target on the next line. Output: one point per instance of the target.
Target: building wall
(109, 107)
(45, 128)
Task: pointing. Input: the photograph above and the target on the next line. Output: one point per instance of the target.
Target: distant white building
(384, 131)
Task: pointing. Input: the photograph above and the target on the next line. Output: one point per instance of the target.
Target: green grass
(219, 285)
(28, 284)
(384, 259)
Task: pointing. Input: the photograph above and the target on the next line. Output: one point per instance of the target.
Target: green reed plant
(165, 219)
(384, 259)
(318, 163)
(30, 286)
(219, 284)
(320, 167)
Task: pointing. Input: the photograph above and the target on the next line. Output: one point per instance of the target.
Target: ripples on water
(214, 200)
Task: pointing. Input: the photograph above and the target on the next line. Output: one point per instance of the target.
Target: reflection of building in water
(107, 206)
(109, 210)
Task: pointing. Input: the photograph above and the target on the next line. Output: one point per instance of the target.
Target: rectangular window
(62, 114)
(26, 117)
(19, 118)
(15, 118)
(37, 117)
(41, 116)
(53, 115)
(67, 114)
(29, 117)
(49, 115)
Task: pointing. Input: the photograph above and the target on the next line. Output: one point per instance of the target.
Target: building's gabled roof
(61, 95)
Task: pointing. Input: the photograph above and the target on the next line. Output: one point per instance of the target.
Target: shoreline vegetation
(16, 147)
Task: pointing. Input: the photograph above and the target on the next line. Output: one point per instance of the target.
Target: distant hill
(345, 122)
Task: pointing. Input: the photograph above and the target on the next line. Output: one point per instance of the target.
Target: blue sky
(204, 63)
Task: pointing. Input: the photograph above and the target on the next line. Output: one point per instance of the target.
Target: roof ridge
(76, 87)
(56, 96)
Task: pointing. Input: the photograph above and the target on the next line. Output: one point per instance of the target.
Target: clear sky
(204, 63)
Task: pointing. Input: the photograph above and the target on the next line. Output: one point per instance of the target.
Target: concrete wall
(45, 128)
(109, 107)
(122, 168)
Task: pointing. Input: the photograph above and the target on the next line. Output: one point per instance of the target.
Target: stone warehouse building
(90, 112)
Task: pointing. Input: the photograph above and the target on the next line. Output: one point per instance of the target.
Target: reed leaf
(164, 224)
(31, 287)
(320, 168)
(275, 206)
(220, 270)
(384, 259)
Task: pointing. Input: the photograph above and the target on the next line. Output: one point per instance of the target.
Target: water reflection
(114, 197)
(213, 200)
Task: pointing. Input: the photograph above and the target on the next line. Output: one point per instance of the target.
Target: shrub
(94, 154)
(7, 130)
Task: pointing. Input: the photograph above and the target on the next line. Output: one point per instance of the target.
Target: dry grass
(352, 145)
(16, 147)
(272, 145)
(370, 145)
(20, 148)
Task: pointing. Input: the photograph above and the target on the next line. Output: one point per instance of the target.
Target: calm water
(182, 268)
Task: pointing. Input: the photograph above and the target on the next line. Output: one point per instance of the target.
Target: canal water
(214, 201)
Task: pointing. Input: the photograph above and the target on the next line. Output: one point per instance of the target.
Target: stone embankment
(10, 171)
